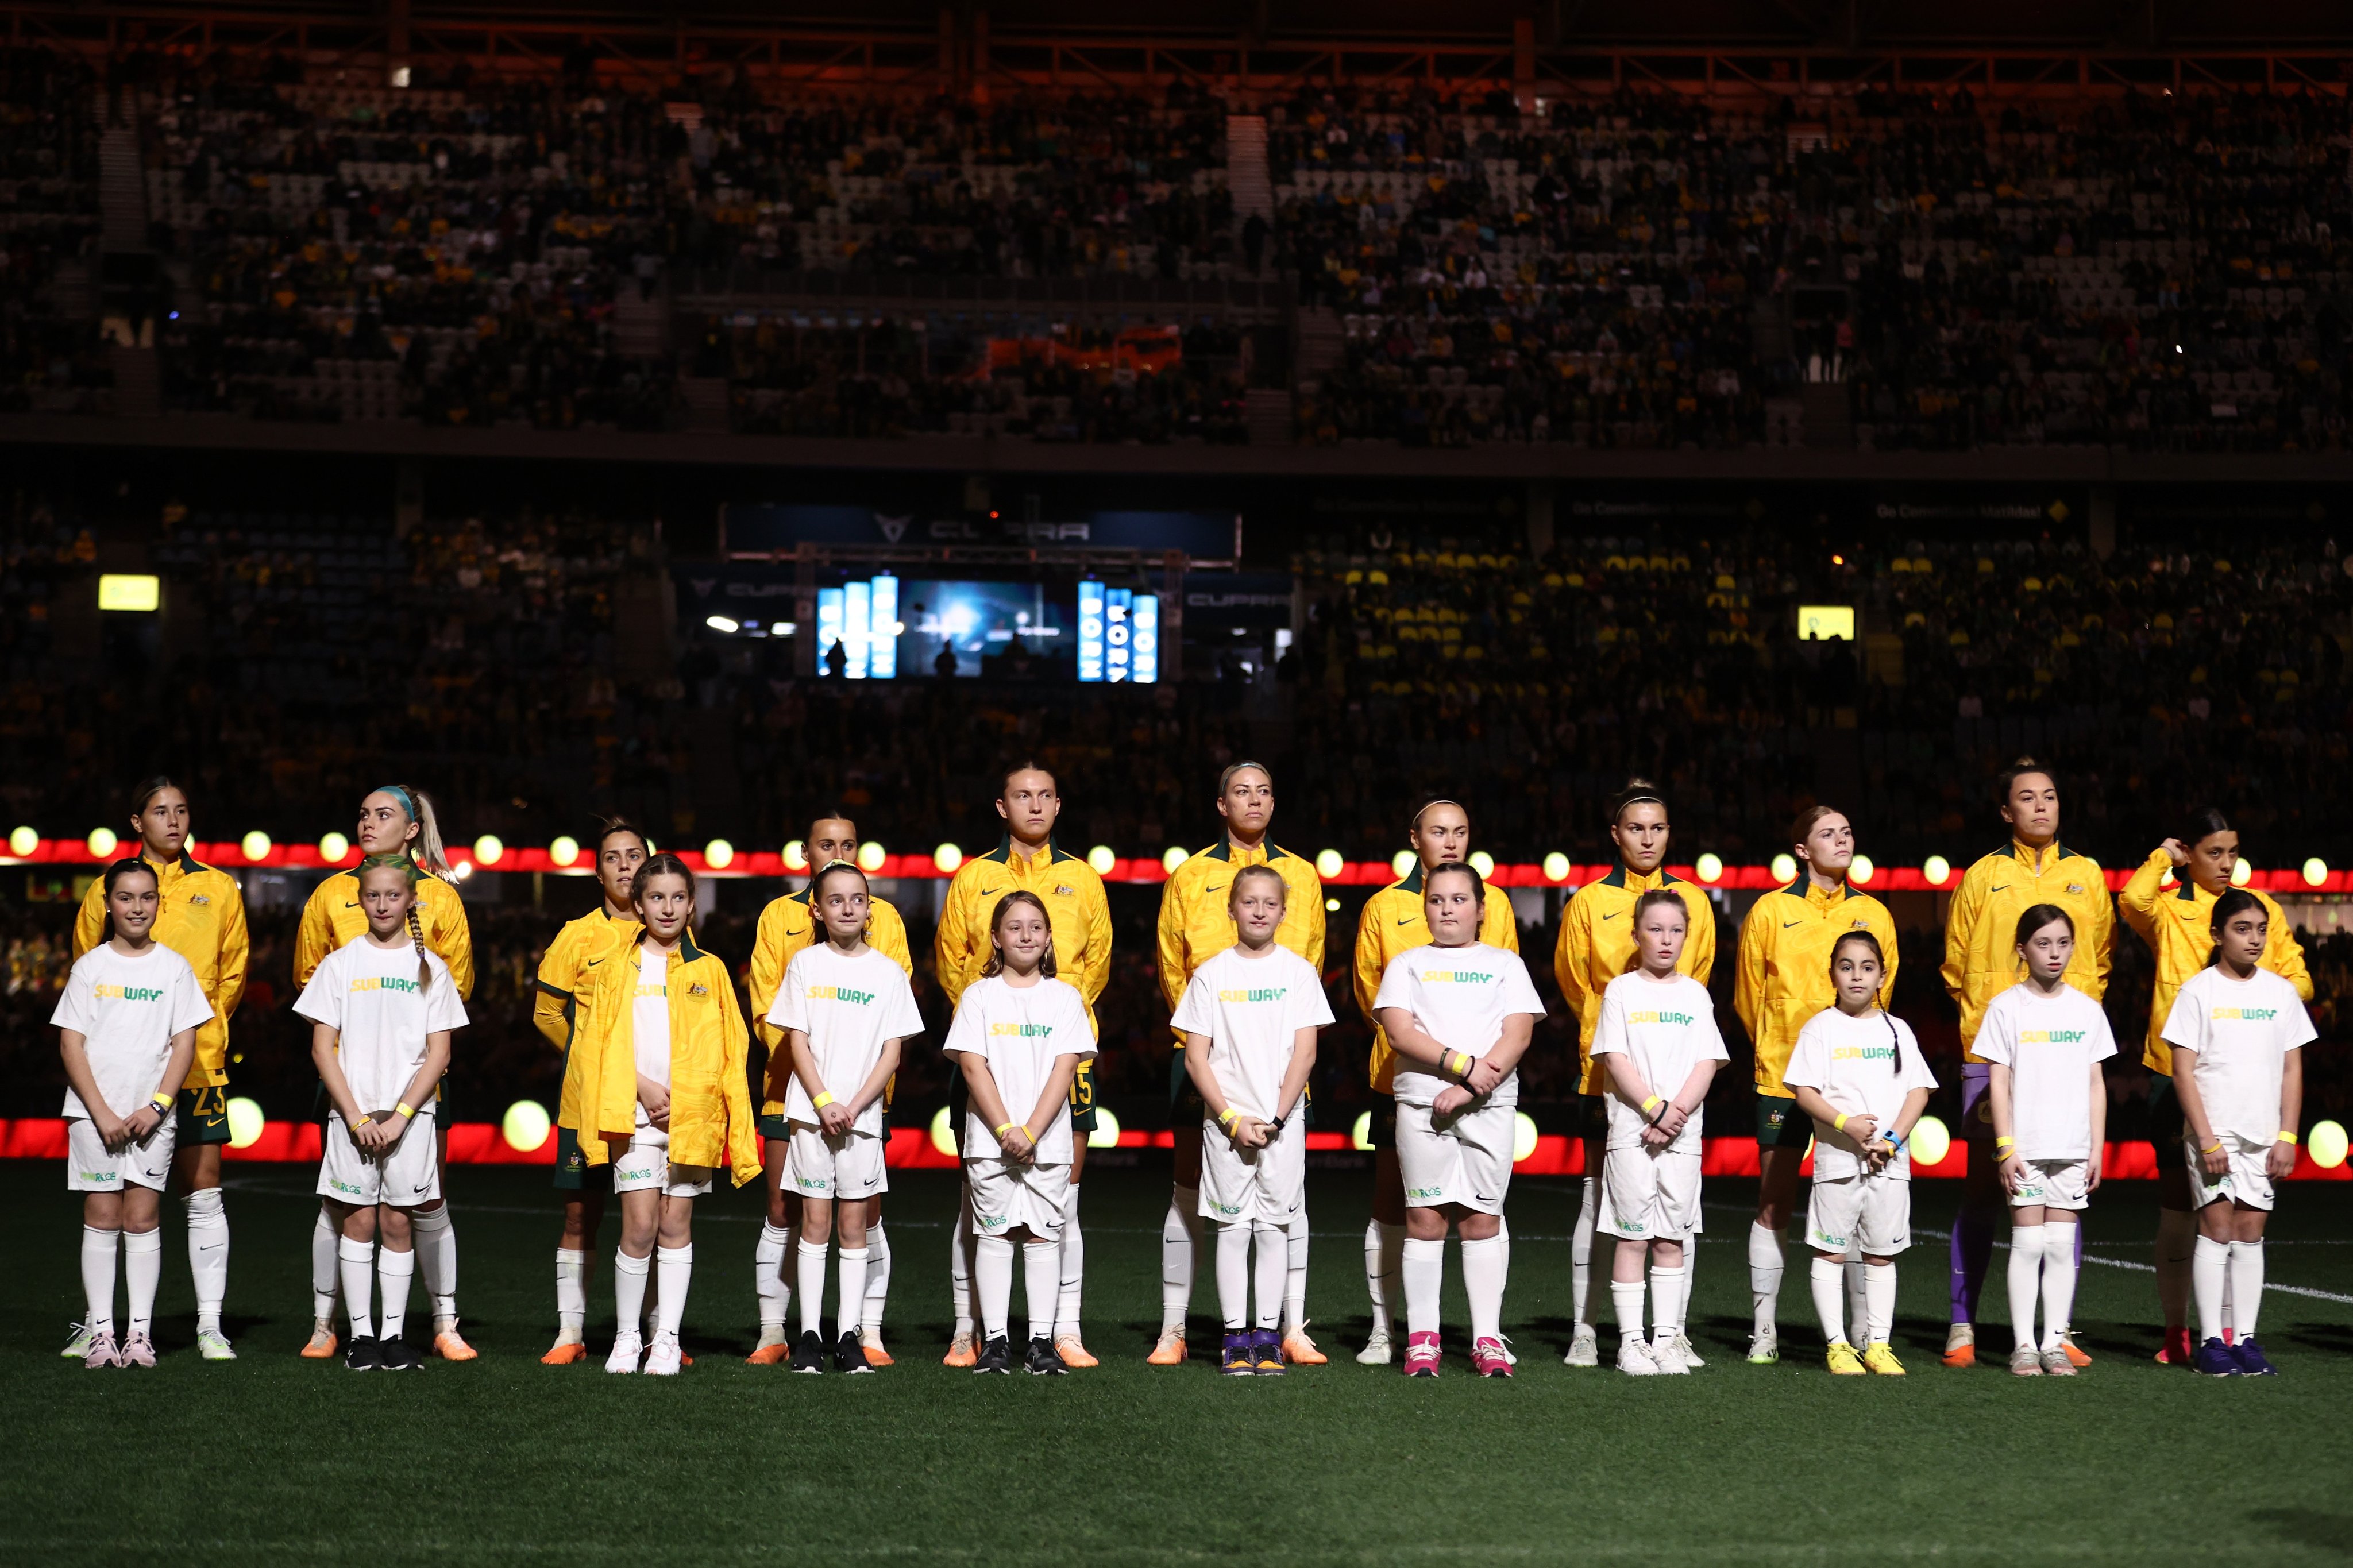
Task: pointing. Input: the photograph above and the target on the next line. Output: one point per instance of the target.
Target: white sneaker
(1689, 1351)
(1668, 1359)
(213, 1345)
(627, 1348)
(1585, 1350)
(663, 1360)
(1377, 1350)
(83, 1335)
(1764, 1347)
(1635, 1360)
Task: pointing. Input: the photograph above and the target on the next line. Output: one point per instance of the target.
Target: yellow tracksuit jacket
(334, 918)
(1195, 926)
(1076, 909)
(202, 919)
(711, 1121)
(1981, 927)
(1394, 921)
(787, 926)
(1785, 966)
(1597, 946)
(2178, 927)
(567, 985)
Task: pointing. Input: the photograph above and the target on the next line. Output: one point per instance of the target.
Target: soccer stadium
(670, 671)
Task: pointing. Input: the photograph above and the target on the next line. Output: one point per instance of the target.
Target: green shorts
(2166, 1124)
(571, 1164)
(775, 1129)
(1781, 1125)
(1381, 1130)
(1184, 1101)
(201, 1116)
(1593, 1115)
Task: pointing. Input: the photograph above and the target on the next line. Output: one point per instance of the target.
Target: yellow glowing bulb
(525, 1126)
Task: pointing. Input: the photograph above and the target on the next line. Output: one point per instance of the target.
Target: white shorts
(405, 1177)
(90, 1169)
(1005, 1196)
(2245, 1182)
(642, 1165)
(1647, 1196)
(2054, 1184)
(847, 1167)
(1238, 1185)
(1871, 1212)
(1463, 1159)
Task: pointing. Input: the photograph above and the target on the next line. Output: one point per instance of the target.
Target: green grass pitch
(275, 1459)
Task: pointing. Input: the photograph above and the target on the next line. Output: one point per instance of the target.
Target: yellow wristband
(162, 1101)
(821, 1100)
(1228, 1117)
(1651, 1102)
(364, 1120)
(407, 1111)
(2004, 1143)
(1463, 1063)
(2284, 1138)
(1839, 1125)
(2211, 1148)
(1002, 1127)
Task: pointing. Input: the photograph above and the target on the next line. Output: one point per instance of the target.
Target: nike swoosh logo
(212, 1246)
(2003, 889)
(1409, 920)
(990, 892)
(1213, 888)
(1787, 924)
(795, 930)
(593, 963)
(1613, 915)
(351, 906)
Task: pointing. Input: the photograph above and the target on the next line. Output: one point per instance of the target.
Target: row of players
(818, 1155)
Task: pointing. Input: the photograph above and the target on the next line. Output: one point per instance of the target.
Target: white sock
(1503, 1237)
(1422, 1265)
(676, 1267)
(1484, 1274)
(1383, 1244)
(852, 1261)
(1231, 1255)
(98, 1252)
(629, 1292)
(992, 1268)
(436, 1259)
(1071, 1274)
(1276, 1274)
(571, 1294)
(2210, 1267)
(2246, 1286)
(1690, 1273)
(1626, 1301)
(809, 1262)
(2026, 1278)
(2058, 1281)
(1879, 1301)
(1667, 1287)
(394, 1270)
(960, 1256)
(769, 1290)
(1294, 1272)
(208, 1254)
(1580, 1254)
(1041, 1284)
(1858, 1299)
(1828, 1278)
(878, 1277)
(1179, 1233)
(142, 1270)
(355, 1262)
(1764, 1274)
(2177, 1241)
(323, 1270)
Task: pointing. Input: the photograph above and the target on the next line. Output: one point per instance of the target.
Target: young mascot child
(2237, 1030)
(2044, 1042)
(1018, 1036)
(846, 1010)
(1659, 1043)
(1249, 1017)
(381, 1009)
(666, 1085)
(1459, 1014)
(1859, 1073)
(127, 1028)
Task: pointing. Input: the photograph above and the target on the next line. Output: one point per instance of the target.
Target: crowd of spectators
(51, 361)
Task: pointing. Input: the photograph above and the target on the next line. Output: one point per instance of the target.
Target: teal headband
(402, 795)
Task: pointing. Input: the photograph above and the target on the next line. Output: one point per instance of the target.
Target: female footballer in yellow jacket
(2178, 925)
(1393, 921)
(787, 926)
(1596, 946)
(1079, 915)
(566, 987)
(1195, 925)
(1784, 979)
(1981, 961)
(201, 917)
(396, 819)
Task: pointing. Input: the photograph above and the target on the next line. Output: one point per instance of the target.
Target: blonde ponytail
(429, 852)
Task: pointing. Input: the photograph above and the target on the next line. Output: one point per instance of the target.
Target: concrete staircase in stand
(1829, 421)
(706, 401)
(1268, 412)
(121, 191)
(138, 382)
(1246, 174)
(1321, 342)
(641, 327)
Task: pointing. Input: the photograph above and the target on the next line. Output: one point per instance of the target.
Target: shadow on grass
(2307, 1527)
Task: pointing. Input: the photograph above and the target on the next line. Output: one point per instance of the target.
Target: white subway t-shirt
(847, 1006)
(1018, 1030)
(1863, 1066)
(370, 997)
(126, 1011)
(1667, 1029)
(2242, 1031)
(1460, 996)
(2049, 1043)
(1252, 1009)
